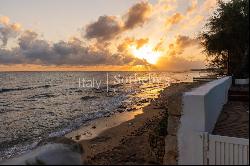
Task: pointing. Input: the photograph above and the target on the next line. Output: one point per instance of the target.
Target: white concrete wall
(201, 109)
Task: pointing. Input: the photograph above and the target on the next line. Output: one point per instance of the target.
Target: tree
(226, 38)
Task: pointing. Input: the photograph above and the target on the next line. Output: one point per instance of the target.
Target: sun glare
(146, 52)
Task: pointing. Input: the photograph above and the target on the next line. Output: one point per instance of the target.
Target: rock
(175, 104)
(120, 110)
(78, 137)
(170, 144)
(170, 158)
(79, 91)
(122, 107)
(173, 125)
(56, 151)
(46, 86)
(89, 97)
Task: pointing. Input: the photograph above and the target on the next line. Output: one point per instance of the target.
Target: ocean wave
(43, 95)
(4, 90)
(89, 97)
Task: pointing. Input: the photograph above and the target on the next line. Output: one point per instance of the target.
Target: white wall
(201, 109)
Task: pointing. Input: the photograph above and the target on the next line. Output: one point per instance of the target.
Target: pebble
(77, 137)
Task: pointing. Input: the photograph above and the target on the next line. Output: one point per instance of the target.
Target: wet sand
(96, 127)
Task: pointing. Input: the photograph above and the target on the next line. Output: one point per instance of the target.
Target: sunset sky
(102, 34)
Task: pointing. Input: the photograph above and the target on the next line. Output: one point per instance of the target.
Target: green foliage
(226, 38)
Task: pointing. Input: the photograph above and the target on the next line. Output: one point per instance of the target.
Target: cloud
(193, 22)
(181, 43)
(141, 42)
(185, 41)
(165, 6)
(4, 20)
(176, 57)
(127, 42)
(192, 7)
(123, 47)
(107, 40)
(10, 56)
(7, 30)
(105, 28)
(174, 19)
(159, 46)
(209, 5)
(32, 49)
(109, 27)
(137, 15)
(176, 63)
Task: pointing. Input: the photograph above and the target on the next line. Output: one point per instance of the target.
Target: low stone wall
(173, 105)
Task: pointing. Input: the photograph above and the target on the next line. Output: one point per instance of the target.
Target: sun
(146, 52)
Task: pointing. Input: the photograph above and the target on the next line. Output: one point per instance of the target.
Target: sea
(38, 105)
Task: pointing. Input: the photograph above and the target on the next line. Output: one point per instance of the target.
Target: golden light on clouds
(4, 20)
(28, 67)
(161, 35)
(146, 52)
(174, 19)
(16, 26)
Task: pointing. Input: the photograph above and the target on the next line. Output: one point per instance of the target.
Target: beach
(135, 139)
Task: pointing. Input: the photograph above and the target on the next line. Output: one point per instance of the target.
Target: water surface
(36, 105)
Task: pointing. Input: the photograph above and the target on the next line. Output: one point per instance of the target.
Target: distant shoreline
(181, 71)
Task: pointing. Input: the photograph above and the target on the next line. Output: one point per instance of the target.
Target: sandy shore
(136, 137)
(96, 127)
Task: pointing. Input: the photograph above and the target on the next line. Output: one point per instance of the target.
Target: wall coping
(206, 88)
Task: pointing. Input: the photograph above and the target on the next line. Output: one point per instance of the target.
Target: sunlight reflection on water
(35, 105)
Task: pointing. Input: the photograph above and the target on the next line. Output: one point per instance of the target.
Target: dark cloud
(105, 28)
(185, 41)
(181, 43)
(109, 27)
(10, 56)
(7, 30)
(33, 50)
(137, 15)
